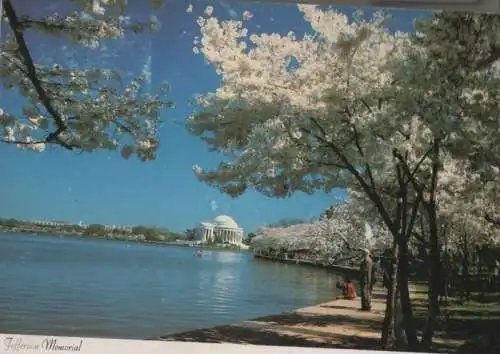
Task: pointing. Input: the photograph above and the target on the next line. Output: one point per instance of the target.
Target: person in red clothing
(348, 290)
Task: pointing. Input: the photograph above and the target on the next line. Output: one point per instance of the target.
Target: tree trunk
(408, 320)
(447, 267)
(435, 272)
(465, 265)
(388, 339)
(399, 332)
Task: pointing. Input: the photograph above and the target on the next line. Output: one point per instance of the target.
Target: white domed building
(223, 229)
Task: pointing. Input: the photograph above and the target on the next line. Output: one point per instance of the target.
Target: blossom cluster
(354, 105)
(81, 108)
(339, 234)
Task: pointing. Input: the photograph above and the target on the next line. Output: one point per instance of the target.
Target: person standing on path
(366, 281)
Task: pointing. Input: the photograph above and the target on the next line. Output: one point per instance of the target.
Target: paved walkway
(333, 324)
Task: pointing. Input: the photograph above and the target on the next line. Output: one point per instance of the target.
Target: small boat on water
(199, 253)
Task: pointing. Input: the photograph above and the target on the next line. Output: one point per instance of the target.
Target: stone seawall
(339, 268)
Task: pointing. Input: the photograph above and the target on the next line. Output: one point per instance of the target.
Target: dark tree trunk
(406, 222)
(435, 272)
(408, 320)
(399, 333)
(465, 266)
(388, 339)
(447, 266)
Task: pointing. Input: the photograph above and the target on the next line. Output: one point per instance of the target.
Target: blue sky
(101, 187)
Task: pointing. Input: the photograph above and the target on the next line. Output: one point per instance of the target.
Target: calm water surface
(80, 287)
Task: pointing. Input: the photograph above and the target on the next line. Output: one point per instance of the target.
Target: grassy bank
(476, 322)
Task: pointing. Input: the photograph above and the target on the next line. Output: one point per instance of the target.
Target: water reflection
(91, 287)
(218, 287)
(227, 257)
(224, 290)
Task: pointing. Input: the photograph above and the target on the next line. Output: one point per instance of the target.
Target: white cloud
(213, 205)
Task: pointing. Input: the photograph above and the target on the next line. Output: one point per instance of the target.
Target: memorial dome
(225, 222)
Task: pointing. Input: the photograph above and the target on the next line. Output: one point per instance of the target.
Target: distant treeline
(139, 232)
(135, 233)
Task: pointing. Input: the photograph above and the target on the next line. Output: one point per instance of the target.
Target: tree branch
(435, 170)
(421, 239)
(422, 159)
(21, 142)
(367, 106)
(413, 217)
(418, 187)
(495, 222)
(374, 196)
(33, 77)
(360, 150)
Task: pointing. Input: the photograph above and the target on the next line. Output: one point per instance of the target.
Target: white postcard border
(15, 343)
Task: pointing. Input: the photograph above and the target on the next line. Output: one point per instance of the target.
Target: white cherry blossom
(77, 108)
(209, 10)
(408, 122)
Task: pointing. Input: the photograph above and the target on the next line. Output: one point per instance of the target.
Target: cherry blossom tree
(288, 238)
(300, 115)
(350, 105)
(460, 52)
(335, 239)
(77, 108)
(353, 223)
(449, 83)
(463, 201)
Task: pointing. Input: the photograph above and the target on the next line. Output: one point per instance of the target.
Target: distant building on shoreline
(127, 229)
(51, 223)
(222, 230)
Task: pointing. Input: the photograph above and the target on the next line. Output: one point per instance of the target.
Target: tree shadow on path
(256, 336)
(293, 319)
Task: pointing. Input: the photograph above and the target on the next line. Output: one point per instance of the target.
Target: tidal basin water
(81, 287)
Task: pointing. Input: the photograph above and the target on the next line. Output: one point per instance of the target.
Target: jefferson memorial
(223, 229)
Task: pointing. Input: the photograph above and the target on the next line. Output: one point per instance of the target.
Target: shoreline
(119, 239)
(336, 323)
(343, 269)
